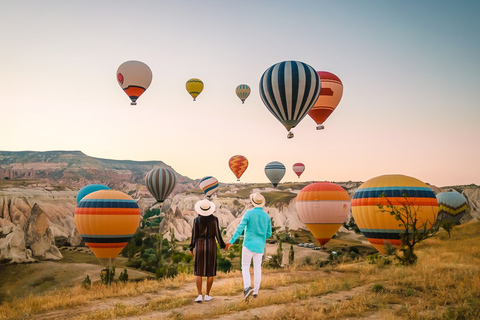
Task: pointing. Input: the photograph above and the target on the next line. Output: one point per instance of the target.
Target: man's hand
(227, 246)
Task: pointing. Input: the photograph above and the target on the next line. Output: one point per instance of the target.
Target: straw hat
(204, 207)
(257, 199)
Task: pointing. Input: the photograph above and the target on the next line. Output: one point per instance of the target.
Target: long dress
(205, 234)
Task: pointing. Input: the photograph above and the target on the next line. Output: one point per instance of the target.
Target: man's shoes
(199, 298)
(207, 298)
(247, 293)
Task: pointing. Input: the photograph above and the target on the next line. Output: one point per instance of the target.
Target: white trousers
(247, 257)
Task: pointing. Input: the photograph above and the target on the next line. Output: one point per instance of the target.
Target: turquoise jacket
(257, 226)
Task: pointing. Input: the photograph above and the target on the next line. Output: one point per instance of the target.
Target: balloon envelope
(298, 168)
(323, 207)
(381, 227)
(289, 90)
(194, 87)
(134, 77)
(451, 206)
(209, 185)
(160, 182)
(238, 164)
(89, 189)
(275, 171)
(107, 220)
(329, 98)
(242, 91)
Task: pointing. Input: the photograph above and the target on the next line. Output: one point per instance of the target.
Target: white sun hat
(204, 207)
(257, 199)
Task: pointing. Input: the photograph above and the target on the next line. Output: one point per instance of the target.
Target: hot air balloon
(106, 220)
(298, 168)
(209, 185)
(160, 182)
(330, 96)
(323, 207)
(451, 206)
(89, 189)
(238, 164)
(380, 227)
(275, 171)
(134, 77)
(194, 87)
(289, 90)
(242, 91)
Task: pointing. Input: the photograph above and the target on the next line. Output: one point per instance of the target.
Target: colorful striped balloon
(134, 77)
(381, 227)
(194, 87)
(160, 182)
(451, 206)
(275, 171)
(298, 168)
(238, 164)
(330, 96)
(242, 91)
(209, 185)
(106, 220)
(323, 207)
(289, 89)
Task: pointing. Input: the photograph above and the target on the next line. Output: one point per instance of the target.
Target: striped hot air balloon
(238, 164)
(298, 168)
(451, 206)
(323, 207)
(134, 77)
(209, 185)
(242, 91)
(380, 227)
(160, 182)
(106, 220)
(194, 87)
(275, 171)
(330, 96)
(89, 189)
(289, 90)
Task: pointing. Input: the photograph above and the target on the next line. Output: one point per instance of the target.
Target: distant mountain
(75, 169)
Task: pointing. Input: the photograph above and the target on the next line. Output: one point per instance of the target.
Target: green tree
(291, 256)
(280, 252)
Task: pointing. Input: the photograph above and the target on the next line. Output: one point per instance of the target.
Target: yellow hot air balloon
(380, 227)
(242, 91)
(194, 87)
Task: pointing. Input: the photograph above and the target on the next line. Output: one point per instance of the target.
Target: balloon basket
(133, 104)
(320, 127)
(290, 135)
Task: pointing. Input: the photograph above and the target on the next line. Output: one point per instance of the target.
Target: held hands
(191, 253)
(227, 246)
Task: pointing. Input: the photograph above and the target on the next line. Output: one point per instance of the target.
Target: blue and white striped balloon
(208, 185)
(275, 171)
(289, 89)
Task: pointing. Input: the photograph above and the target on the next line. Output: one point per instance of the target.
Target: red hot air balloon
(238, 164)
(330, 96)
(298, 168)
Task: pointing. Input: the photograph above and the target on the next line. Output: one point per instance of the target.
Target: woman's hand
(191, 253)
(227, 246)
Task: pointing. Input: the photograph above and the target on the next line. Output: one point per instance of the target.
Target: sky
(410, 70)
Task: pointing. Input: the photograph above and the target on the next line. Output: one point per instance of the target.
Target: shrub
(377, 287)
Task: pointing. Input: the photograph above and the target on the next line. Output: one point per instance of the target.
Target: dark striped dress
(205, 234)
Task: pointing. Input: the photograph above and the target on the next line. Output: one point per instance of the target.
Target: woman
(205, 234)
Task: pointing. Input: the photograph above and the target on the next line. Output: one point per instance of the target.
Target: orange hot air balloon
(380, 227)
(330, 96)
(107, 220)
(323, 207)
(238, 164)
(134, 77)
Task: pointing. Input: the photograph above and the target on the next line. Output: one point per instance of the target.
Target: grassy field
(444, 284)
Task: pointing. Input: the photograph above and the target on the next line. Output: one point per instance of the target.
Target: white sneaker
(207, 298)
(199, 298)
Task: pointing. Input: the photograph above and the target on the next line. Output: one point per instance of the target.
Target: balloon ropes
(238, 164)
(451, 206)
(323, 207)
(194, 87)
(275, 171)
(107, 220)
(89, 189)
(401, 192)
(134, 77)
(209, 185)
(330, 96)
(298, 168)
(160, 182)
(242, 91)
(289, 90)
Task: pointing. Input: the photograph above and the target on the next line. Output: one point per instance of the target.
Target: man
(257, 226)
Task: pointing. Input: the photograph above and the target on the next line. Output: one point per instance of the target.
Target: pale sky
(410, 70)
